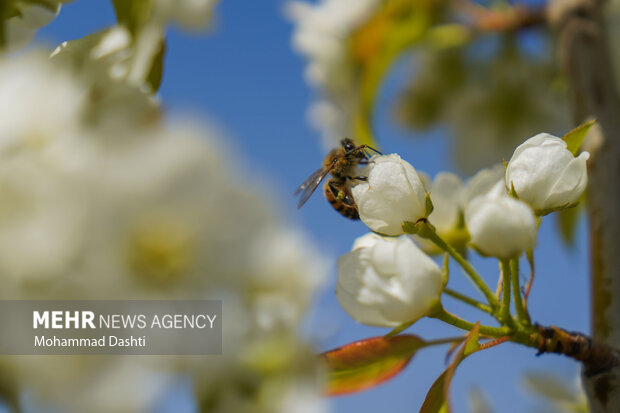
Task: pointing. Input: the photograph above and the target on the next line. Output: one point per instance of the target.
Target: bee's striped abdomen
(339, 197)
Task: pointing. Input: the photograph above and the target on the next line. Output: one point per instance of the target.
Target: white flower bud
(387, 281)
(393, 194)
(545, 174)
(500, 226)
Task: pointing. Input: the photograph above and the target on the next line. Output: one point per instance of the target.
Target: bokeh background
(244, 77)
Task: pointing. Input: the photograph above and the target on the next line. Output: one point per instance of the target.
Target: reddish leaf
(437, 397)
(367, 363)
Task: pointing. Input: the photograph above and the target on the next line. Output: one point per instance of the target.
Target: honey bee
(341, 163)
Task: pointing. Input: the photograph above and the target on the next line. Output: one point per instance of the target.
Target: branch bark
(584, 53)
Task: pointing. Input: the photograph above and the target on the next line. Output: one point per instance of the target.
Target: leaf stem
(468, 300)
(440, 341)
(522, 314)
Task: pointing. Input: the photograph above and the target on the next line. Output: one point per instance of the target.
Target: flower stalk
(468, 300)
(522, 314)
(426, 230)
(458, 322)
(504, 311)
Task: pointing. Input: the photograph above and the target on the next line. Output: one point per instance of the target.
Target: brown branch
(586, 60)
(596, 357)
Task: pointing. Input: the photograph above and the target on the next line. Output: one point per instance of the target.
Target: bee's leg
(340, 193)
(358, 178)
(347, 198)
(371, 148)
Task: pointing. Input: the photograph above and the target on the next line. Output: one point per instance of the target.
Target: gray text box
(150, 327)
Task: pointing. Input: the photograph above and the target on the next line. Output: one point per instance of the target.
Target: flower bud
(500, 226)
(393, 194)
(387, 281)
(545, 174)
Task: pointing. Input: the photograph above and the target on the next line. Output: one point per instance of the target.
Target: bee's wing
(308, 187)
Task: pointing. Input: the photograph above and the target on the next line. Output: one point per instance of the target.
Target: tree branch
(585, 57)
(597, 358)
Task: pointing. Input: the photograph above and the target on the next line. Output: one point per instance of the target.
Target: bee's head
(348, 145)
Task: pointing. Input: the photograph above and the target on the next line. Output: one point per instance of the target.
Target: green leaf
(575, 138)
(395, 27)
(367, 363)
(567, 220)
(429, 204)
(437, 398)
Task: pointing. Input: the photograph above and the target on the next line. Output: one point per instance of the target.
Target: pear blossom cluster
(450, 198)
(389, 281)
(104, 199)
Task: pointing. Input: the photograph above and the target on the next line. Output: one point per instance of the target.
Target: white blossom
(387, 281)
(481, 183)
(191, 14)
(500, 226)
(445, 191)
(103, 62)
(27, 18)
(96, 383)
(450, 198)
(545, 174)
(150, 33)
(118, 210)
(450, 195)
(39, 102)
(393, 194)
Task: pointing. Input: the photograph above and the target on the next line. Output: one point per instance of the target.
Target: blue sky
(245, 77)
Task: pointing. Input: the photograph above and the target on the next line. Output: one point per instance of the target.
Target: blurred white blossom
(545, 174)
(481, 183)
(39, 102)
(500, 226)
(150, 27)
(445, 190)
(95, 383)
(25, 18)
(387, 281)
(99, 208)
(321, 34)
(102, 61)
(393, 194)
(191, 14)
